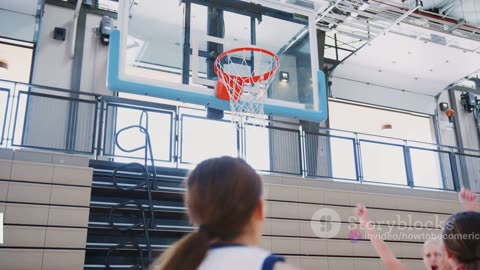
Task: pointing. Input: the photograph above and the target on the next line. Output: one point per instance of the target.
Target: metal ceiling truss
(384, 31)
(366, 19)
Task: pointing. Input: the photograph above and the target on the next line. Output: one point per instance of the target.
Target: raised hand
(468, 199)
(382, 249)
(362, 214)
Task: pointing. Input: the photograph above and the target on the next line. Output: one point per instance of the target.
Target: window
(17, 60)
(383, 158)
(108, 5)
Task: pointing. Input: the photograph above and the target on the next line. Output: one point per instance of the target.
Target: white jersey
(235, 256)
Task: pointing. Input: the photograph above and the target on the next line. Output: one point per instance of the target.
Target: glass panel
(330, 53)
(85, 126)
(343, 158)
(3, 112)
(43, 118)
(342, 54)
(155, 40)
(236, 32)
(199, 21)
(447, 172)
(426, 168)
(292, 46)
(285, 151)
(349, 43)
(237, 28)
(40, 117)
(468, 170)
(159, 129)
(108, 4)
(329, 40)
(203, 138)
(330, 156)
(317, 154)
(258, 147)
(383, 163)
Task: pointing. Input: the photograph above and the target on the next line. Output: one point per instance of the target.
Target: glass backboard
(167, 49)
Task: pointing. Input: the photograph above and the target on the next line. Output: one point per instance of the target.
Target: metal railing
(46, 118)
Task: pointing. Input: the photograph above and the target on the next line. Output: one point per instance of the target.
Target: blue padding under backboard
(114, 83)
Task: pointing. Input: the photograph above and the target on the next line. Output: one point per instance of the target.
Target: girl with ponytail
(435, 252)
(461, 237)
(224, 200)
(461, 234)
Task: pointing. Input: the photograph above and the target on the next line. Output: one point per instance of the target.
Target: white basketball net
(247, 74)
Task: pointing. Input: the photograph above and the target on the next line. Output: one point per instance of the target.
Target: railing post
(357, 153)
(454, 168)
(442, 171)
(11, 113)
(240, 141)
(408, 165)
(303, 152)
(177, 140)
(101, 106)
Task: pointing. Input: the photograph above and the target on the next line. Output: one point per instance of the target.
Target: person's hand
(362, 214)
(468, 199)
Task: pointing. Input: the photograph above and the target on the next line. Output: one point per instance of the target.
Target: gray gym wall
(47, 119)
(53, 62)
(462, 133)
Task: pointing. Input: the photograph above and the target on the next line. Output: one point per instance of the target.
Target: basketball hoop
(244, 76)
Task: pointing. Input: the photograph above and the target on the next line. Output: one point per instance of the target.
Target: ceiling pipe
(348, 9)
(343, 20)
(330, 8)
(368, 21)
(74, 30)
(428, 14)
(367, 25)
(419, 12)
(378, 16)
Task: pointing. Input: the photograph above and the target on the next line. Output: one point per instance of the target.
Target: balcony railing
(53, 119)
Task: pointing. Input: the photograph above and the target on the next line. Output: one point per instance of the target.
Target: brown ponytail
(187, 253)
(222, 194)
(461, 237)
(472, 266)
